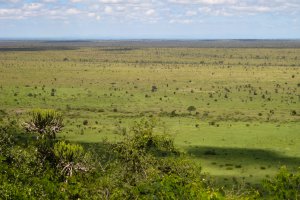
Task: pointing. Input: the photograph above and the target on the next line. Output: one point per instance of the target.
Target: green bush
(5, 140)
(27, 174)
(68, 152)
(144, 139)
(137, 152)
(175, 187)
(285, 185)
(152, 168)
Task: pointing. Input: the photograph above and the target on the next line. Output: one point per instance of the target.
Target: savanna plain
(235, 111)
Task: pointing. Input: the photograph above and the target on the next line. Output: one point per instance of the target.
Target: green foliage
(136, 150)
(23, 175)
(144, 139)
(134, 168)
(285, 185)
(5, 140)
(170, 178)
(70, 158)
(26, 174)
(68, 152)
(153, 169)
(46, 122)
(175, 187)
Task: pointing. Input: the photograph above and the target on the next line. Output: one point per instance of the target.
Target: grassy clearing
(246, 118)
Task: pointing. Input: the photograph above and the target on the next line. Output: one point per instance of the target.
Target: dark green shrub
(293, 113)
(191, 108)
(5, 140)
(85, 122)
(144, 139)
(285, 185)
(154, 88)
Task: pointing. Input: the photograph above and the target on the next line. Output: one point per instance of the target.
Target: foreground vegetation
(35, 165)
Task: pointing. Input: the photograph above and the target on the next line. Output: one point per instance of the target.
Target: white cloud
(120, 8)
(33, 6)
(91, 14)
(49, 1)
(150, 12)
(191, 13)
(203, 1)
(252, 8)
(76, 1)
(215, 11)
(108, 10)
(181, 21)
(8, 11)
(9, 1)
(110, 1)
(72, 11)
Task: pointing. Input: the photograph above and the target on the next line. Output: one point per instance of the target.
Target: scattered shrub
(293, 113)
(191, 108)
(85, 122)
(154, 88)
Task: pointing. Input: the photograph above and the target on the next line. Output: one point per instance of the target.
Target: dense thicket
(142, 166)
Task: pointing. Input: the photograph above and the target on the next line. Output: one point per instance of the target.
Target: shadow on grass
(242, 156)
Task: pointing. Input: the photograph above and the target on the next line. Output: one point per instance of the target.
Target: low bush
(285, 185)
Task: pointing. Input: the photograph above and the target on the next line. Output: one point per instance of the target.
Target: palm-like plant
(70, 157)
(46, 122)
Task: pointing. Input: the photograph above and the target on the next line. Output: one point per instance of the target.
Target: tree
(191, 108)
(154, 88)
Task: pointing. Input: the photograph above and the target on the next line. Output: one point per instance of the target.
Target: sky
(150, 19)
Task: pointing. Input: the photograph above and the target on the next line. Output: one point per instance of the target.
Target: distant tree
(85, 122)
(154, 88)
(191, 108)
(293, 113)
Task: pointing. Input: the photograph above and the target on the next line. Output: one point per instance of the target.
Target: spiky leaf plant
(46, 122)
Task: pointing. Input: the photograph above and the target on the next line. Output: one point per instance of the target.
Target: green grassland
(247, 100)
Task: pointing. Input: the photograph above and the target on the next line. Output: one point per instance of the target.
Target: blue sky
(150, 19)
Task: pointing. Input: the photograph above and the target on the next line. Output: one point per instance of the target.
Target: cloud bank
(173, 11)
(200, 18)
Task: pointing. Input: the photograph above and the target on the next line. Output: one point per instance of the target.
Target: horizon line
(141, 39)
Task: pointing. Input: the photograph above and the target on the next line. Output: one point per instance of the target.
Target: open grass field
(235, 110)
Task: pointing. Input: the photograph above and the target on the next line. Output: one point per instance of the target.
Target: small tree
(154, 88)
(46, 122)
(191, 108)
